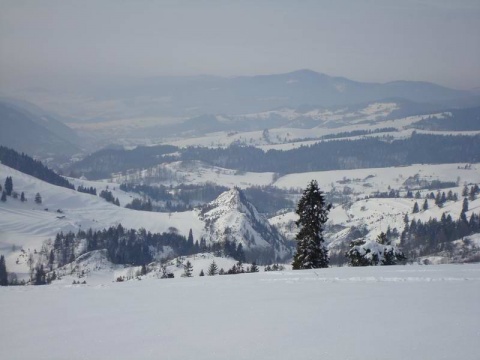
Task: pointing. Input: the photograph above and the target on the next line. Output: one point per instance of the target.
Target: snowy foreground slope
(399, 312)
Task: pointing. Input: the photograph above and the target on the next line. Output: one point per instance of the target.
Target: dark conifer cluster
(336, 155)
(139, 204)
(134, 247)
(433, 236)
(108, 196)
(87, 190)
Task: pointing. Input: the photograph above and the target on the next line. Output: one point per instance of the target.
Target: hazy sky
(47, 42)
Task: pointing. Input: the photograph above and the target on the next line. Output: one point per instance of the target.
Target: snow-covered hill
(286, 129)
(26, 225)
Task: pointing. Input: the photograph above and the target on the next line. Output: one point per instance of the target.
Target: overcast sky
(47, 42)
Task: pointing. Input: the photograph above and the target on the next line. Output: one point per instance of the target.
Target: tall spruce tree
(425, 205)
(415, 208)
(465, 205)
(3, 272)
(40, 276)
(313, 214)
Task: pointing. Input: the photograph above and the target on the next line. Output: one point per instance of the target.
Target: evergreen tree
(213, 269)
(201, 273)
(3, 272)
(239, 253)
(425, 205)
(40, 276)
(472, 196)
(357, 254)
(22, 197)
(450, 195)
(443, 198)
(465, 205)
(4, 196)
(187, 269)
(9, 185)
(415, 208)
(38, 198)
(254, 267)
(203, 245)
(190, 243)
(313, 214)
(51, 258)
(372, 253)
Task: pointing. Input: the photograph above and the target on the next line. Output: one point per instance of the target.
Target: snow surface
(370, 180)
(398, 312)
(197, 172)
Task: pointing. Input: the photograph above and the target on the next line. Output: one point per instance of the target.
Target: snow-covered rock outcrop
(232, 217)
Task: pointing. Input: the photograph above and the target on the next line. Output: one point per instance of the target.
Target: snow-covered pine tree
(356, 254)
(313, 214)
(187, 269)
(213, 269)
(372, 253)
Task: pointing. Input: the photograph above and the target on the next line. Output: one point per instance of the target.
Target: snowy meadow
(396, 312)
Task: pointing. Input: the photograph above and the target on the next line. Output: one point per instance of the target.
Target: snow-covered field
(365, 181)
(399, 312)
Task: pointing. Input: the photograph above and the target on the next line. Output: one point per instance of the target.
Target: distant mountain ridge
(197, 95)
(29, 129)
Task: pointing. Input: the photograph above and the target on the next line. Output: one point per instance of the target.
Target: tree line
(29, 166)
(135, 247)
(336, 155)
(433, 236)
